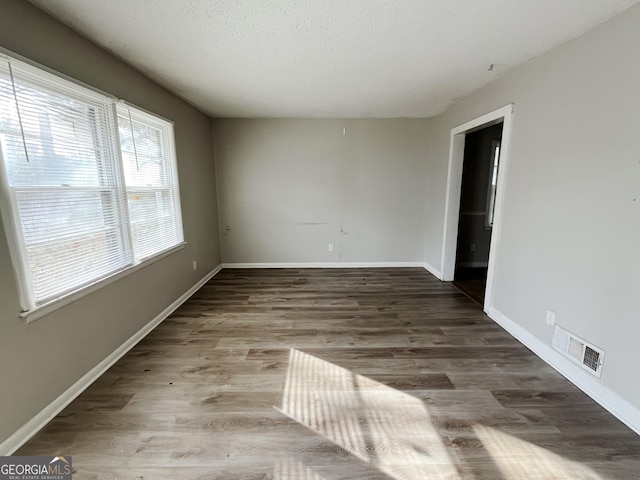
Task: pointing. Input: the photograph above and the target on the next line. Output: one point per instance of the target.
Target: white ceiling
(328, 58)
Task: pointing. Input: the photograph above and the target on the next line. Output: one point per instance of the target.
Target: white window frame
(133, 113)
(33, 309)
(492, 188)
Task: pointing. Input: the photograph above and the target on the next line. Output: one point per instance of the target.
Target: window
(89, 187)
(150, 178)
(493, 183)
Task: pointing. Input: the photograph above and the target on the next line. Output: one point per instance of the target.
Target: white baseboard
(325, 265)
(24, 433)
(607, 398)
(432, 270)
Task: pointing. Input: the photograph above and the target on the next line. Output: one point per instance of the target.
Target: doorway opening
(480, 169)
(478, 158)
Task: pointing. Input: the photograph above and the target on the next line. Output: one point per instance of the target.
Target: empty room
(324, 240)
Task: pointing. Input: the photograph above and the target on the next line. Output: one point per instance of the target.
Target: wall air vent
(576, 349)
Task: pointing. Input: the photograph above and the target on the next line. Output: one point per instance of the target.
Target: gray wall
(41, 360)
(571, 226)
(288, 188)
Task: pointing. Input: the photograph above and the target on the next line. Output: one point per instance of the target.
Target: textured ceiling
(328, 58)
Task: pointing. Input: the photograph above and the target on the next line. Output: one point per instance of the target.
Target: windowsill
(53, 305)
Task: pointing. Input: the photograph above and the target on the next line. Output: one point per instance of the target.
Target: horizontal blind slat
(85, 209)
(149, 171)
(60, 135)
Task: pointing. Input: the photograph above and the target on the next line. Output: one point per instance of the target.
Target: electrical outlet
(331, 247)
(195, 265)
(551, 318)
(473, 247)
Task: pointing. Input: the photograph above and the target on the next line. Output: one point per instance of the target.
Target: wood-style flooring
(473, 288)
(296, 374)
(472, 281)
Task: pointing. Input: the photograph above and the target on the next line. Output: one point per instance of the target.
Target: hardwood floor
(474, 289)
(472, 281)
(335, 374)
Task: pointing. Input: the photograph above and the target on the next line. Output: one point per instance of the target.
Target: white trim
(432, 270)
(454, 185)
(38, 76)
(12, 227)
(24, 433)
(452, 205)
(496, 229)
(607, 398)
(9, 55)
(51, 306)
(120, 102)
(429, 268)
(326, 265)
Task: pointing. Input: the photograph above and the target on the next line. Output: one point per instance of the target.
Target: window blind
(86, 191)
(146, 143)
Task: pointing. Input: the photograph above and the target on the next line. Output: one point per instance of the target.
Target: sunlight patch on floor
(378, 425)
(290, 469)
(521, 460)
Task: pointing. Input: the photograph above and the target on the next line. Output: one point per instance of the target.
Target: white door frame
(454, 189)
